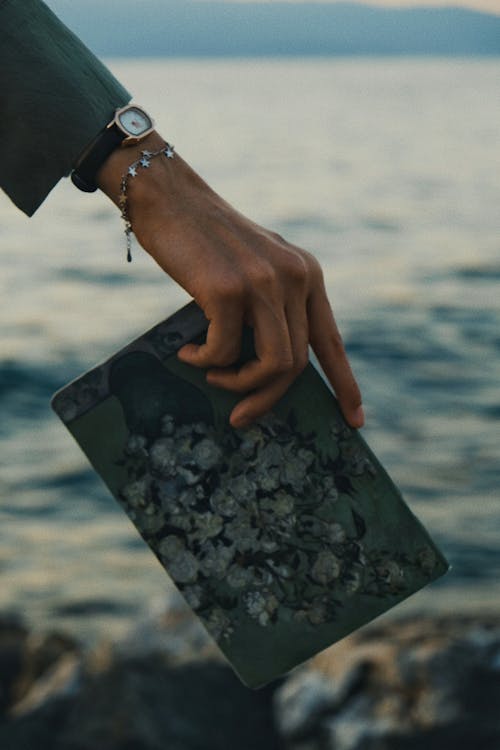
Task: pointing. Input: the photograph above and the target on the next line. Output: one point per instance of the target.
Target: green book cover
(283, 537)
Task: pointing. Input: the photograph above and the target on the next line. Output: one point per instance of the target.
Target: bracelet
(144, 161)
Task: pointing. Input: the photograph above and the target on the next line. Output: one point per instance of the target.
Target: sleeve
(55, 96)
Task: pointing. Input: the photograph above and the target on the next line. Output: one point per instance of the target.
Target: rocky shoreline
(428, 681)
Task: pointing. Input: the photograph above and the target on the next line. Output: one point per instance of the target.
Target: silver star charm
(132, 170)
(169, 152)
(146, 153)
(145, 162)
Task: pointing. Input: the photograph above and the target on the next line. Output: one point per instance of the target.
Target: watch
(129, 126)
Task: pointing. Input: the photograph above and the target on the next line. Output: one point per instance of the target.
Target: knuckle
(263, 275)
(301, 362)
(313, 267)
(231, 354)
(222, 359)
(297, 269)
(230, 289)
(280, 365)
(277, 237)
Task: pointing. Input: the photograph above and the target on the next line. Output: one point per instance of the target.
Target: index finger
(223, 343)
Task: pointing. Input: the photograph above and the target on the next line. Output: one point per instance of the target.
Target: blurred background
(367, 135)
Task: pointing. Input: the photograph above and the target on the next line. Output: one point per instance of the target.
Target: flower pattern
(255, 523)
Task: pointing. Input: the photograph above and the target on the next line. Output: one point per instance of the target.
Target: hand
(237, 272)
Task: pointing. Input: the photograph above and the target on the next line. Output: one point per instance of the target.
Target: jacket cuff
(55, 98)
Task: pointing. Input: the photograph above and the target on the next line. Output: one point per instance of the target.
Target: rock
(172, 629)
(13, 635)
(147, 704)
(61, 680)
(164, 686)
(307, 697)
(357, 728)
(428, 681)
(25, 658)
(42, 653)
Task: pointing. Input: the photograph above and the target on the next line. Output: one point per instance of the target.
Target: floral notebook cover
(283, 537)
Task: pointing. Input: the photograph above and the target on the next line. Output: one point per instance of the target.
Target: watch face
(134, 121)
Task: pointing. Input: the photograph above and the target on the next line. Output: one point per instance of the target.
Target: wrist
(110, 174)
(153, 198)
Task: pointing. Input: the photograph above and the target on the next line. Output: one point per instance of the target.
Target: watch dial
(134, 121)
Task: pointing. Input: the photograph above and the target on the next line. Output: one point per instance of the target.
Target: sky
(488, 6)
(491, 6)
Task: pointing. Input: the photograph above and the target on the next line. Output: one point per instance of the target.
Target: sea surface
(389, 171)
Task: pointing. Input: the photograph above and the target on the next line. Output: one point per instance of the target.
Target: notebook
(283, 537)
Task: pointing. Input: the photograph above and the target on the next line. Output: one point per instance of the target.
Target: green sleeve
(55, 96)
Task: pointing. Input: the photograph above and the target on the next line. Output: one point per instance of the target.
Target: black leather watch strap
(84, 175)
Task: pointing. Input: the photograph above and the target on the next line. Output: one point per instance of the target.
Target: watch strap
(84, 174)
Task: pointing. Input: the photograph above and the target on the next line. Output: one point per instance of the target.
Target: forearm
(55, 96)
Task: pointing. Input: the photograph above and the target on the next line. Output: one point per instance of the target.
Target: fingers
(281, 339)
(262, 400)
(273, 349)
(327, 343)
(223, 343)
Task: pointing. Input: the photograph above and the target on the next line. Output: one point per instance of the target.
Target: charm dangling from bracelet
(144, 163)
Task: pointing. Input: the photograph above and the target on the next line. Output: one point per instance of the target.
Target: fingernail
(186, 351)
(239, 422)
(359, 417)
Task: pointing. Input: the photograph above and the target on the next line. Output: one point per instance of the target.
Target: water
(389, 171)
